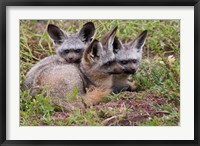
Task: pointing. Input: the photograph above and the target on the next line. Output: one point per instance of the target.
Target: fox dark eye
(66, 51)
(108, 63)
(123, 62)
(134, 61)
(78, 50)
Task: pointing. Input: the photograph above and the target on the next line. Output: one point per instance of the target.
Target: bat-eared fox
(69, 49)
(129, 56)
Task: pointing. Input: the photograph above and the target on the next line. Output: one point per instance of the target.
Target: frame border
(5, 3)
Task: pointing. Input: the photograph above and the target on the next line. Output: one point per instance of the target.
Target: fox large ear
(92, 52)
(108, 39)
(87, 32)
(56, 34)
(139, 42)
(117, 45)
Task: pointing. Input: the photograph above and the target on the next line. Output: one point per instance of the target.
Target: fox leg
(129, 86)
(132, 86)
(95, 96)
(118, 88)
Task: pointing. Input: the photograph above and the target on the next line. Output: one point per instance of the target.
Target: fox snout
(118, 68)
(130, 70)
(72, 57)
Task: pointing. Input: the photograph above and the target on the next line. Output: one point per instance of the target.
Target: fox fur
(129, 56)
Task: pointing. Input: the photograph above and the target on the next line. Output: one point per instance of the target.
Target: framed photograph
(99, 72)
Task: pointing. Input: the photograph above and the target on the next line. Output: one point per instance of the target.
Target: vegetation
(156, 101)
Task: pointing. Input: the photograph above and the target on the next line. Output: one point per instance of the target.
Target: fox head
(70, 46)
(129, 55)
(99, 58)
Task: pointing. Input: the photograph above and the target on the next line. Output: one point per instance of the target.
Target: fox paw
(94, 97)
(132, 86)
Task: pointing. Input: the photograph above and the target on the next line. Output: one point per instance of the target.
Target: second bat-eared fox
(98, 68)
(129, 56)
(69, 49)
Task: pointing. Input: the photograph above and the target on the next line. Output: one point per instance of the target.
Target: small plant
(38, 107)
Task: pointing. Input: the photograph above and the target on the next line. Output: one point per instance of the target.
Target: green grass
(157, 99)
